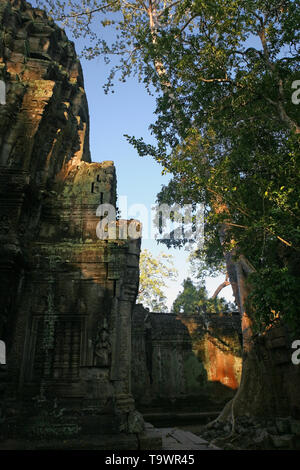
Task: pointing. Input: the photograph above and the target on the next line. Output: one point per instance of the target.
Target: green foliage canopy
(194, 299)
(227, 128)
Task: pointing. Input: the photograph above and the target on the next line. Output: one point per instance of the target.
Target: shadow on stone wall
(187, 363)
(66, 296)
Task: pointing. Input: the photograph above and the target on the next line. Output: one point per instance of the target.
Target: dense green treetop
(194, 299)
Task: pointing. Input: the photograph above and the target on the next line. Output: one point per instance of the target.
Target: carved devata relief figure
(101, 345)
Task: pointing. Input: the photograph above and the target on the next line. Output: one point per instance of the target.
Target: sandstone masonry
(66, 296)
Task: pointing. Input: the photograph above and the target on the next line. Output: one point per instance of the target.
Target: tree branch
(279, 104)
(86, 13)
(221, 286)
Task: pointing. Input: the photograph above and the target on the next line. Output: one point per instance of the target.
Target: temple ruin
(185, 363)
(66, 295)
(80, 361)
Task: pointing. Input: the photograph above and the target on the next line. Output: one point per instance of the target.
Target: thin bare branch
(221, 287)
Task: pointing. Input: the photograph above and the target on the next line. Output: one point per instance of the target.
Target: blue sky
(130, 110)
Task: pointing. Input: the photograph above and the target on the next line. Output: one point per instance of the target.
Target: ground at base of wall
(151, 439)
(248, 434)
(179, 439)
(179, 419)
(251, 433)
(128, 442)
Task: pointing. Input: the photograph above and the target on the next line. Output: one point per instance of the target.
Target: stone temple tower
(66, 295)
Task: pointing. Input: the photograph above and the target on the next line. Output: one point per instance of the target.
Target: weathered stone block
(67, 296)
(283, 425)
(285, 441)
(177, 364)
(295, 427)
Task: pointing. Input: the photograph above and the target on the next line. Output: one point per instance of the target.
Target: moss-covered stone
(66, 295)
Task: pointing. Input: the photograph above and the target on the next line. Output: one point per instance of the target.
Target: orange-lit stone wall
(188, 362)
(216, 341)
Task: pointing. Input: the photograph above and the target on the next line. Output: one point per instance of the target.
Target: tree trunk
(270, 382)
(266, 388)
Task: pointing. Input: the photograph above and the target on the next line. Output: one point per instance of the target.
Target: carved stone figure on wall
(102, 347)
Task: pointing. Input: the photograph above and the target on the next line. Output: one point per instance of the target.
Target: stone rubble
(254, 434)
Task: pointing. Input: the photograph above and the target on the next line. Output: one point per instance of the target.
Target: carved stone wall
(185, 362)
(66, 295)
